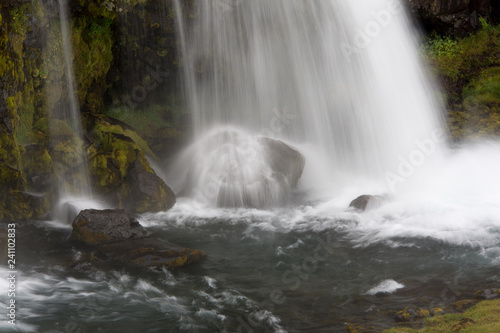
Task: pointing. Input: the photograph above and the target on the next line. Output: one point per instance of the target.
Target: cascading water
(65, 121)
(341, 77)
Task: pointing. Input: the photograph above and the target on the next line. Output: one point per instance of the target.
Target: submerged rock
(117, 237)
(366, 201)
(150, 252)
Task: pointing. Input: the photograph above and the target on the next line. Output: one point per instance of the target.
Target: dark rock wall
(452, 17)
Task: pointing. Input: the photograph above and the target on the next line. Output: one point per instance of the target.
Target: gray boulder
(115, 237)
(366, 201)
(92, 227)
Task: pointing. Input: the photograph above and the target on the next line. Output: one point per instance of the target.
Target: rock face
(92, 227)
(365, 202)
(116, 237)
(452, 17)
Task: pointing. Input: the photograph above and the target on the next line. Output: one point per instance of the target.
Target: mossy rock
(482, 317)
(36, 160)
(121, 172)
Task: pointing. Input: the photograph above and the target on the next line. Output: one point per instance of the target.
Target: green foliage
(459, 60)
(440, 46)
(469, 69)
(484, 90)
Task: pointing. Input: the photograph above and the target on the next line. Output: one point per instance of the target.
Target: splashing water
(341, 77)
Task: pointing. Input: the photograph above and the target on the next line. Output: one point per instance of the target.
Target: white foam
(387, 287)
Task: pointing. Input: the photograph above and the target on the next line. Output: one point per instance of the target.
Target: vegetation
(483, 317)
(469, 69)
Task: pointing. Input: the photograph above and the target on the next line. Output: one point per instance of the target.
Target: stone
(148, 191)
(485, 294)
(451, 17)
(114, 236)
(284, 160)
(150, 252)
(92, 227)
(366, 201)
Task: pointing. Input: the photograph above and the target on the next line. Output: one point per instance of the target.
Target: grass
(483, 317)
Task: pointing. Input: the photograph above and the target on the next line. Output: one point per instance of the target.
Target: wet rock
(121, 173)
(114, 236)
(464, 304)
(231, 168)
(94, 226)
(148, 191)
(150, 252)
(366, 201)
(284, 160)
(487, 294)
(411, 313)
(452, 17)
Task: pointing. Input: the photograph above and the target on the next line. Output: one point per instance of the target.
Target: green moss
(484, 91)
(116, 129)
(483, 317)
(469, 68)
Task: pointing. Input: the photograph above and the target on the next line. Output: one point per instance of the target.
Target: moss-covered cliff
(33, 84)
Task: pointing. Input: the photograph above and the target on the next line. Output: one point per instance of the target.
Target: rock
(284, 160)
(117, 237)
(121, 173)
(487, 294)
(148, 191)
(451, 17)
(231, 168)
(367, 201)
(94, 226)
(411, 313)
(150, 252)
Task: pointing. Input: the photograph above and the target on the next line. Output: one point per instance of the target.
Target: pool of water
(289, 270)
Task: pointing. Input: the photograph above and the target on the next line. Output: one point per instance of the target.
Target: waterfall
(64, 118)
(342, 78)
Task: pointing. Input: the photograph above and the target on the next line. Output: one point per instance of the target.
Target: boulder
(148, 192)
(366, 201)
(114, 236)
(230, 168)
(93, 226)
(284, 160)
(122, 175)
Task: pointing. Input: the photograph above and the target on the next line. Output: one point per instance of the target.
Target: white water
(339, 79)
